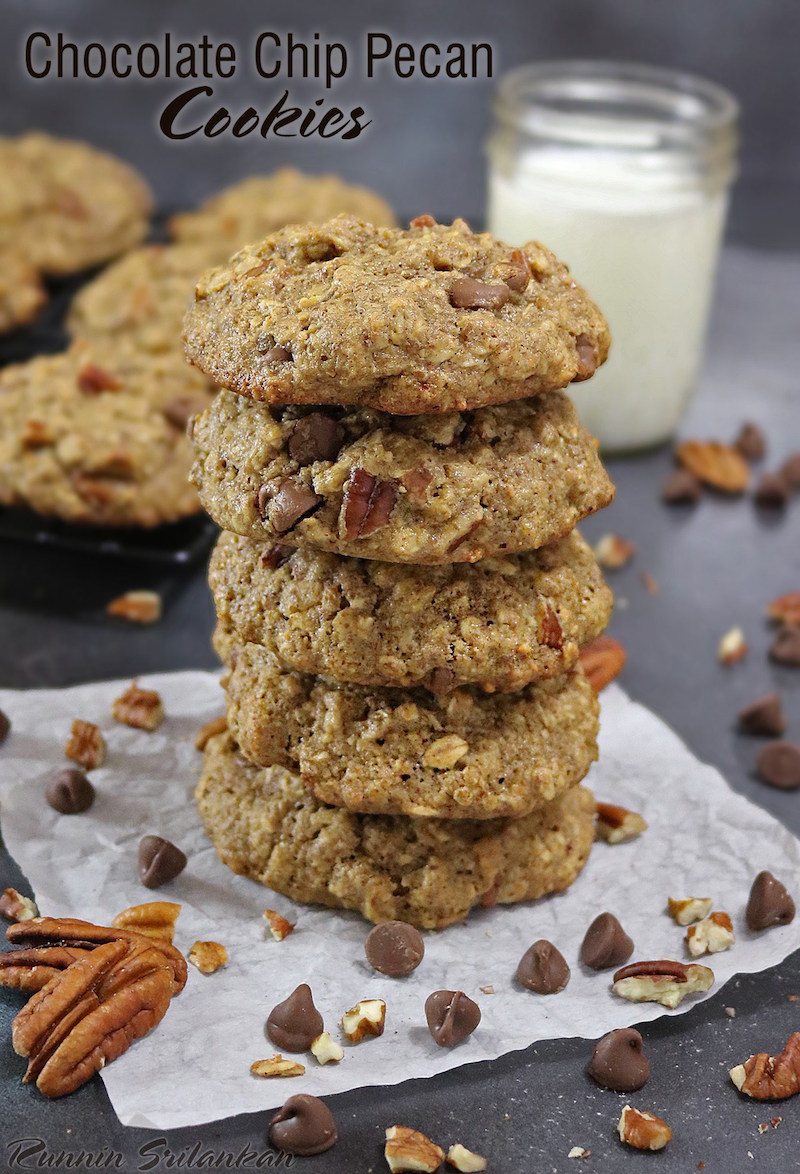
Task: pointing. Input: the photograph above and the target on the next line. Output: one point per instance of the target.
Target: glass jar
(624, 171)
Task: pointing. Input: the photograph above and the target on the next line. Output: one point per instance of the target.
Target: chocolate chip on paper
(778, 765)
(543, 969)
(160, 861)
(763, 717)
(394, 948)
(452, 1017)
(304, 1125)
(770, 903)
(295, 1023)
(618, 1061)
(70, 792)
(605, 944)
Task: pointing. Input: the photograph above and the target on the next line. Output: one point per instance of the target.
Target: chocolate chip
(295, 1023)
(160, 861)
(606, 944)
(315, 437)
(293, 502)
(466, 293)
(681, 488)
(452, 1016)
(790, 470)
(276, 556)
(304, 1126)
(543, 969)
(618, 1062)
(785, 648)
(778, 764)
(587, 357)
(769, 903)
(368, 504)
(394, 948)
(278, 354)
(751, 442)
(70, 791)
(5, 726)
(772, 491)
(442, 681)
(764, 716)
(519, 273)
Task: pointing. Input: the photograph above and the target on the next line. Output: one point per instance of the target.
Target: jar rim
(623, 104)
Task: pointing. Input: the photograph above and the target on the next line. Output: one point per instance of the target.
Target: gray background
(424, 150)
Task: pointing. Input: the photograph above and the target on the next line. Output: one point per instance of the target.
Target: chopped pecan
(277, 1066)
(588, 354)
(643, 1131)
(602, 660)
(154, 919)
(785, 609)
(368, 504)
(325, 1049)
(613, 551)
(408, 1149)
(217, 725)
(661, 981)
(279, 927)
(36, 434)
(685, 910)
(140, 708)
(770, 1078)
(93, 379)
(416, 481)
(550, 632)
(138, 607)
(208, 957)
(616, 824)
(86, 745)
(719, 465)
(15, 907)
(732, 647)
(367, 1018)
(711, 935)
(464, 1160)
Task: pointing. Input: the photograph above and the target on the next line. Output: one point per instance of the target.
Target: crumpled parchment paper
(703, 840)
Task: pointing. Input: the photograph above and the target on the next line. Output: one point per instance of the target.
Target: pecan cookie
(428, 872)
(498, 624)
(435, 318)
(66, 205)
(140, 298)
(423, 489)
(249, 210)
(97, 436)
(461, 755)
(22, 294)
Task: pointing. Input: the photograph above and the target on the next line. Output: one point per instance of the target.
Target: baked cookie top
(98, 436)
(434, 318)
(448, 488)
(499, 624)
(249, 210)
(67, 205)
(142, 296)
(461, 755)
(22, 294)
(430, 873)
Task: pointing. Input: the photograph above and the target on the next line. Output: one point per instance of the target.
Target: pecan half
(770, 1078)
(154, 919)
(368, 504)
(408, 1149)
(661, 981)
(719, 465)
(602, 660)
(31, 969)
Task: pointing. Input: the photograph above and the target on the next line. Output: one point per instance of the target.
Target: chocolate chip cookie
(422, 489)
(67, 206)
(142, 298)
(499, 624)
(97, 436)
(264, 824)
(460, 755)
(249, 210)
(435, 318)
(22, 294)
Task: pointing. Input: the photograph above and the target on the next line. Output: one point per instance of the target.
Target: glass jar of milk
(624, 171)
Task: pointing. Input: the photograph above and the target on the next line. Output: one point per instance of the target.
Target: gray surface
(427, 136)
(717, 566)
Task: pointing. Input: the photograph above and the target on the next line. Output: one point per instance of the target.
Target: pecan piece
(661, 981)
(15, 907)
(770, 1078)
(408, 1149)
(719, 465)
(154, 919)
(141, 709)
(616, 824)
(550, 632)
(86, 745)
(31, 969)
(643, 1131)
(785, 609)
(368, 504)
(217, 725)
(138, 607)
(602, 660)
(93, 379)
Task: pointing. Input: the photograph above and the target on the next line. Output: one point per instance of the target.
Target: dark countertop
(716, 566)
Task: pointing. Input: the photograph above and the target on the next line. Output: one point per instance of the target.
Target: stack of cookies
(400, 594)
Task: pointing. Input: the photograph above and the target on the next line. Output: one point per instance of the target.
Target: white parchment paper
(703, 840)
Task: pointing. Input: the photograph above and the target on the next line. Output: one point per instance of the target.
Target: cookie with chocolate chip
(455, 487)
(459, 755)
(434, 318)
(499, 624)
(429, 873)
(249, 210)
(96, 435)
